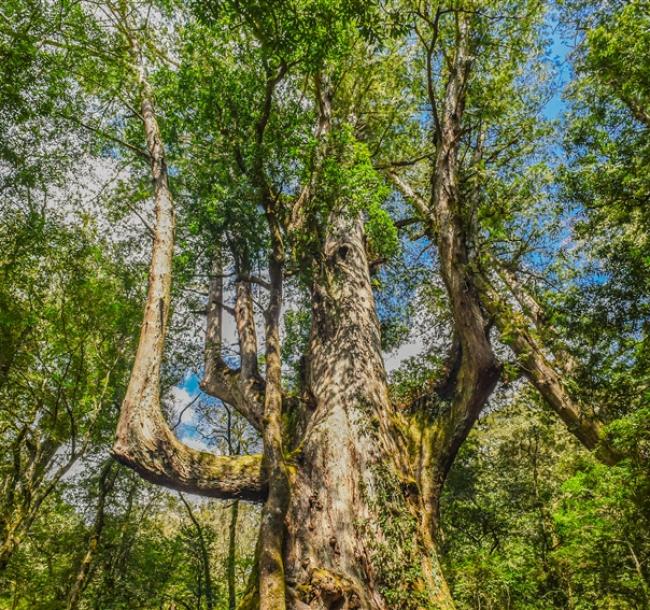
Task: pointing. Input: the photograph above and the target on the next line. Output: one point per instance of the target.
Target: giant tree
(337, 463)
(261, 131)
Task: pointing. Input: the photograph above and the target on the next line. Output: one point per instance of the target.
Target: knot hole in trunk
(343, 252)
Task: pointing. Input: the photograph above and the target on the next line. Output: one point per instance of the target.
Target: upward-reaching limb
(144, 440)
(243, 387)
(444, 217)
(546, 375)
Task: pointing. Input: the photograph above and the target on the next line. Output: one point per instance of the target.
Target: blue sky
(182, 395)
(559, 52)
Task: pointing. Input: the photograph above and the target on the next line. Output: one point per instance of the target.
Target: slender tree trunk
(10, 543)
(232, 556)
(205, 555)
(354, 539)
(106, 481)
(271, 566)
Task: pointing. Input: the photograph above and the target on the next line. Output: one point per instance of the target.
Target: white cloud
(393, 360)
(196, 443)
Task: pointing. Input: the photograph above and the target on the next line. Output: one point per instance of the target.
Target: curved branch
(474, 367)
(146, 445)
(144, 441)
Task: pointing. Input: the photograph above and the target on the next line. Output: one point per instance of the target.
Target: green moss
(396, 553)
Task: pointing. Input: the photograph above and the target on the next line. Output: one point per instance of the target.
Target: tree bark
(271, 566)
(353, 538)
(342, 525)
(544, 376)
(440, 432)
(144, 440)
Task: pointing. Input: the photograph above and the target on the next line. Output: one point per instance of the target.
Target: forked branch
(242, 388)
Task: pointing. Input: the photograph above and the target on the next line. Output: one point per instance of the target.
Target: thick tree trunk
(353, 535)
(341, 526)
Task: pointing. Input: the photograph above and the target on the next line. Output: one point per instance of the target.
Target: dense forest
(324, 304)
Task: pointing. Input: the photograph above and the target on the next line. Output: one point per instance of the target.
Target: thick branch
(478, 370)
(159, 457)
(242, 387)
(144, 441)
(545, 377)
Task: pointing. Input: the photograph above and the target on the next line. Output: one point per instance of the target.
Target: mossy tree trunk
(354, 538)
